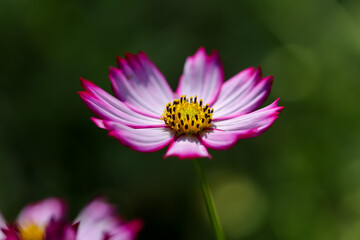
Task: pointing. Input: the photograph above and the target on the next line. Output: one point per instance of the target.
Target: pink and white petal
(60, 230)
(10, 233)
(248, 102)
(235, 86)
(118, 114)
(96, 210)
(128, 230)
(96, 219)
(203, 76)
(243, 93)
(96, 230)
(98, 122)
(140, 85)
(41, 213)
(108, 107)
(187, 147)
(141, 139)
(89, 229)
(218, 139)
(251, 124)
(2, 226)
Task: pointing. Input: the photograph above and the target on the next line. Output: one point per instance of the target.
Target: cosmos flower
(99, 221)
(32, 222)
(46, 220)
(204, 112)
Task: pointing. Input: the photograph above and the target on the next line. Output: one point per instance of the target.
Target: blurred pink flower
(34, 219)
(99, 220)
(46, 220)
(146, 115)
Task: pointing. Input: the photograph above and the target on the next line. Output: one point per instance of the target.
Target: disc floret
(187, 116)
(32, 232)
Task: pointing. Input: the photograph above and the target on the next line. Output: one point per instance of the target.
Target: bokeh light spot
(241, 205)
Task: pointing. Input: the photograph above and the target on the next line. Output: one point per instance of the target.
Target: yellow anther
(188, 117)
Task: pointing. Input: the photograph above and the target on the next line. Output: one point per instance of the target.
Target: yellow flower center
(32, 232)
(187, 116)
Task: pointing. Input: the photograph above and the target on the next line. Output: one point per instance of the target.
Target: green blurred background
(300, 180)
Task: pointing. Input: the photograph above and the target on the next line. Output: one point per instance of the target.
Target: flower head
(46, 220)
(99, 221)
(33, 220)
(204, 112)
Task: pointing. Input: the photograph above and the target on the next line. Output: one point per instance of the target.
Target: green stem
(214, 219)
